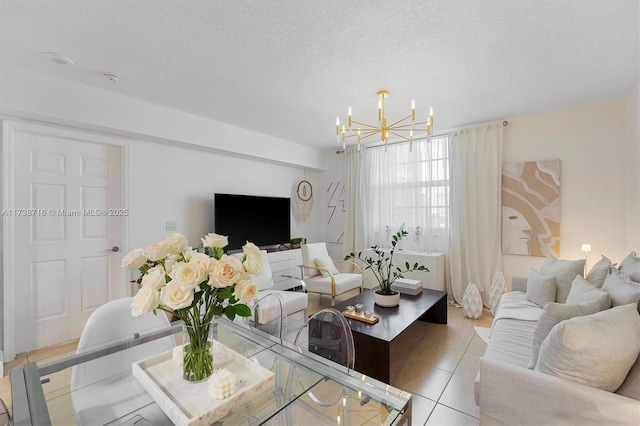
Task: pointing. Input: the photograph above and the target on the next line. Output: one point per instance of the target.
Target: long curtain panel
(409, 188)
(474, 250)
(355, 218)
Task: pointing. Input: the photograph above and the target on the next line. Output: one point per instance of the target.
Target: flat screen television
(265, 221)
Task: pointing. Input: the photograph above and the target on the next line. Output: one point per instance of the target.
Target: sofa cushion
(541, 289)
(596, 350)
(621, 289)
(630, 266)
(565, 271)
(583, 291)
(325, 262)
(514, 305)
(599, 272)
(553, 314)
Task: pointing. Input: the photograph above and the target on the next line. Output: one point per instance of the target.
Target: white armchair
(321, 276)
(292, 301)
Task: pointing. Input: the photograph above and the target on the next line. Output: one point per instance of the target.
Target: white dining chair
(98, 390)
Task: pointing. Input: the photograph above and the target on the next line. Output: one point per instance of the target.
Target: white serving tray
(189, 403)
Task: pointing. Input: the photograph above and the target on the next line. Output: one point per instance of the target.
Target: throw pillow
(599, 272)
(630, 266)
(596, 350)
(621, 289)
(541, 289)
(631, 385)
(553, 314)
(631, 258)
(326, 263)
(583, 291)
(565, 272)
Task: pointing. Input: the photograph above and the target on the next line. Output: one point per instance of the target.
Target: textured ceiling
(287, 68)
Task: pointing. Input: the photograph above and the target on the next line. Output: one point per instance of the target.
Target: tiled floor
(436, 363)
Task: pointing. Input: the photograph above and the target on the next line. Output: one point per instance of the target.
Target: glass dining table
(307, 390)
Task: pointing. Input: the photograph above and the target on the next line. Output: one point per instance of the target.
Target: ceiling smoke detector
(57, 59)
(111, 78)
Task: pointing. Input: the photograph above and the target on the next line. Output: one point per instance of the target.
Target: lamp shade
(586, 247)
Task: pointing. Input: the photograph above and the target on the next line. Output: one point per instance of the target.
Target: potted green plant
(295, 242)
(385, 271)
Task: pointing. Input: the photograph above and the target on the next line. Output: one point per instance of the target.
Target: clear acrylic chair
(327, 334)
(268, 315)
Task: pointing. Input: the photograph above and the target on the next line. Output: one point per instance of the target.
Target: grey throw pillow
(553, 314)
(583, 291)
(541, 289)
(565, 271)
(630, 266)
(596, 350)
(621, 289)
(599, 272)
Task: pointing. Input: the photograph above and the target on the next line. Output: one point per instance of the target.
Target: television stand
(280, 247)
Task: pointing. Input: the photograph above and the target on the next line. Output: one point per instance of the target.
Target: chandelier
(402, 129)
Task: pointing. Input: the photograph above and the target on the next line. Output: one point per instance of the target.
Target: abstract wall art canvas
(531, 208)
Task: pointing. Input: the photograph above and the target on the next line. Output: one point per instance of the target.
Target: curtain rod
(505, 123)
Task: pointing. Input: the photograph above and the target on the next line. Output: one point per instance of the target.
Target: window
(410, 188)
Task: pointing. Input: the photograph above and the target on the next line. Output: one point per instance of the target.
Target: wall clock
(304, 199)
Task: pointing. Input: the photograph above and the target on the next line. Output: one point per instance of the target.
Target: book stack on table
(407, 286)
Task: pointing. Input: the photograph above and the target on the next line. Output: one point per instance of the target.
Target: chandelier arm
(363, 134)
(399, 121)
(370, 134)
(364, 124)
(400, 136)
(407, 126)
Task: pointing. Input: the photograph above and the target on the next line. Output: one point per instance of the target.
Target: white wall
(632, 125)
(27, 94)
(177, 184)
(598, 162)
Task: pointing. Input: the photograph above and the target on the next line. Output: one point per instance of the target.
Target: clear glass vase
(197, 352)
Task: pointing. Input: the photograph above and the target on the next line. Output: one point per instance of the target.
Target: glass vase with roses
(195, 285)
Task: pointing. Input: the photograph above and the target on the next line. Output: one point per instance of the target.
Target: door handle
(113, 249)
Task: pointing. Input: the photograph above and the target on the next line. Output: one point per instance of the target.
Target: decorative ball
(222, 384)
(498, 288)
(472, 302)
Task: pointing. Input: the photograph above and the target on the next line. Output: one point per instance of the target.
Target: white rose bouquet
(195, 285)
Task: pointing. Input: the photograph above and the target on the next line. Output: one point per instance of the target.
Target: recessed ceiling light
(111, 78)
(57, 59)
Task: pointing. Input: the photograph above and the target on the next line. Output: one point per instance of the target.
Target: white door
(67, 221)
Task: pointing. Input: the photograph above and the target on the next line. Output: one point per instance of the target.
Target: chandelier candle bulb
(380, 109)
(413, 110)
(349, 117)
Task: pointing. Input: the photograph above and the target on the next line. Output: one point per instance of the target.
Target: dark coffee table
(373, 342)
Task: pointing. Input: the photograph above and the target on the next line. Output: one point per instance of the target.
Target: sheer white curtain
(474, 252)
(409, 189)
(354, 238)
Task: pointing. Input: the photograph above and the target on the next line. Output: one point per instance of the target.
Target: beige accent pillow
(596, 350)
(553, 314)
(583, 291)
(630, 266)
(621, 289)
(565, 272)
(541, 289)
(327, 263)
(599, 272)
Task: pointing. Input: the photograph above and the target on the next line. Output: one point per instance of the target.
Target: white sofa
(508, 393)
